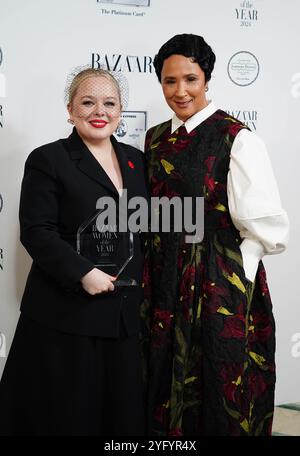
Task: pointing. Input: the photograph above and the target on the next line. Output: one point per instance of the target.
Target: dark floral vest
(208, 333)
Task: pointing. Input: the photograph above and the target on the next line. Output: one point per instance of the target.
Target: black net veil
(102, 84)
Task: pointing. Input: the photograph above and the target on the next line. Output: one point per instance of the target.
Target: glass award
(107, 247)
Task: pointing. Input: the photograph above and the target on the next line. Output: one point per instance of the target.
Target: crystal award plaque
(109, 249)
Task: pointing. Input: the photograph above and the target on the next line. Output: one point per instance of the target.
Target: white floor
(287, 420)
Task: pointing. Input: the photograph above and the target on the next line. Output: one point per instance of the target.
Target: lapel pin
(130, 164)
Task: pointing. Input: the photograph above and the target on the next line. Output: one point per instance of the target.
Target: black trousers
(63, 384)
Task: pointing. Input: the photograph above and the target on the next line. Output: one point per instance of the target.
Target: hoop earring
(70, 121)
(206, 88)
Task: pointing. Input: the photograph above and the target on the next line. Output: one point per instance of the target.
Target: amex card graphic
(127, 2)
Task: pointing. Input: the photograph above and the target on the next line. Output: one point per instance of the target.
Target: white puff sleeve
(254, 201)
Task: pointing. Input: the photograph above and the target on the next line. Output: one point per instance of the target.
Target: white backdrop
(41, 41)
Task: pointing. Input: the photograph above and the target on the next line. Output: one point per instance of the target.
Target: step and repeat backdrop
(256, 79)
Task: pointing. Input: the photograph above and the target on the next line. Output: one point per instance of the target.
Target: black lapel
(129, 167)
(88, 164)
(123, 161)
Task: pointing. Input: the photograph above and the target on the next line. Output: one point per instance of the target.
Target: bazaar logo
(1, 202)
(247, 117)
(243, 68)
(1, 56)
(125, 63)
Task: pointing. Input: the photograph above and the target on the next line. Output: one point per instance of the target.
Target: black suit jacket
(61, 185)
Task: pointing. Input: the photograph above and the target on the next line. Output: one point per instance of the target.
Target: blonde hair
(88, 73)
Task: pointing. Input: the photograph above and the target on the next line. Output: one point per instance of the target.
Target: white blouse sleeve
(254, 201)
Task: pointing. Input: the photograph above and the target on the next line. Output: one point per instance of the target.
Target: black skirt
(64, 384)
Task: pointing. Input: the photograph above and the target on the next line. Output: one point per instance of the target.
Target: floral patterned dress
(208, 339)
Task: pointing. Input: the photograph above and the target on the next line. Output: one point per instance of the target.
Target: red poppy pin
(130, 164)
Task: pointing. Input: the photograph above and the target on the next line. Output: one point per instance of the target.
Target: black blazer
(61, 185)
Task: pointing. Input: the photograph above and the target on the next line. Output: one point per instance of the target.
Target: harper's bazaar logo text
(248, 118)
(125, 63)
(106, 235)
(1, 116)
(1, 259)
(246, 14)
